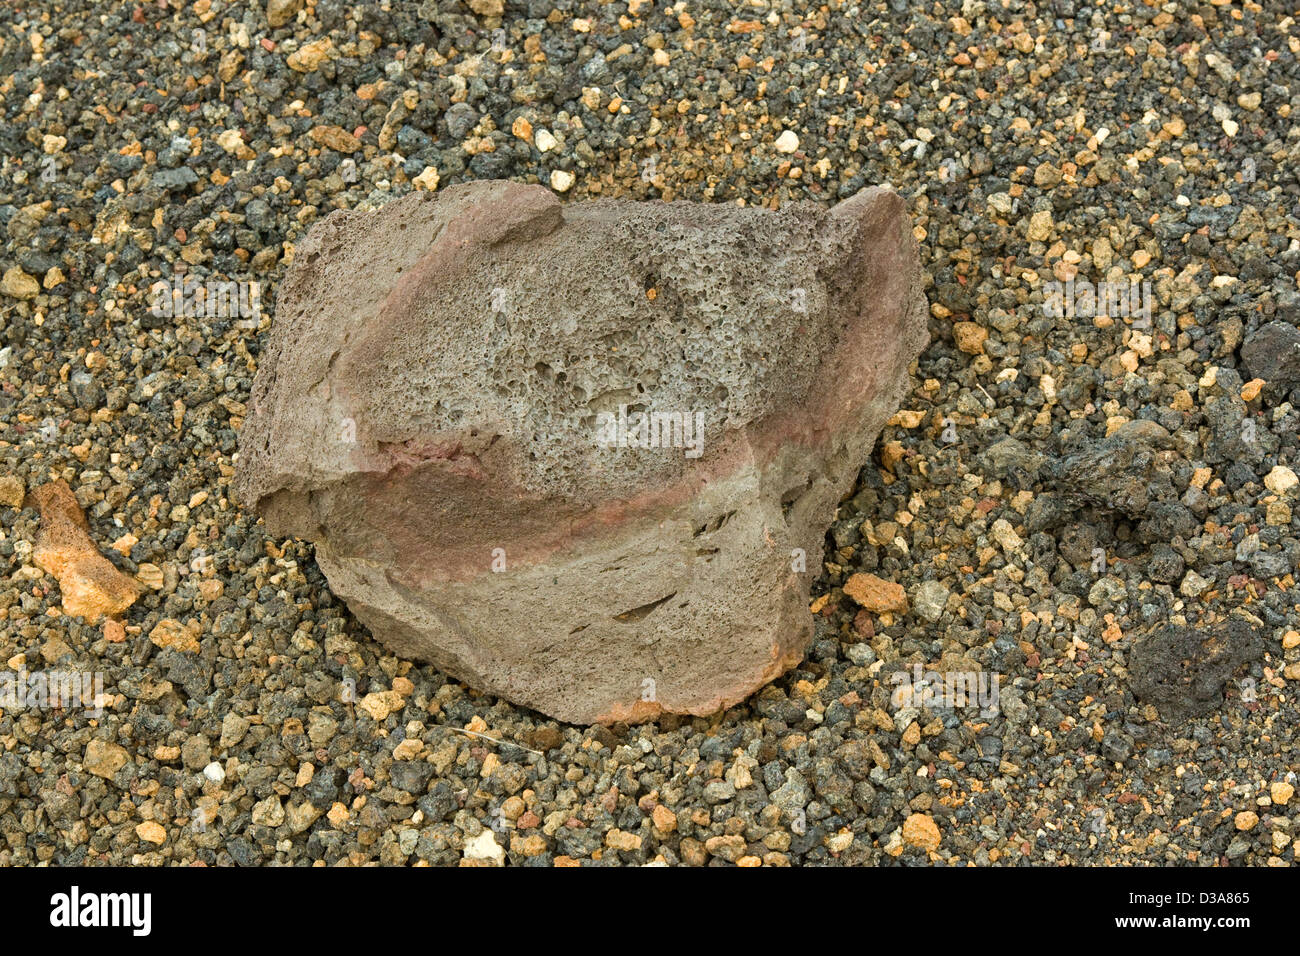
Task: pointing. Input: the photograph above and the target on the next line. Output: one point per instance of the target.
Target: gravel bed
(1096, 507)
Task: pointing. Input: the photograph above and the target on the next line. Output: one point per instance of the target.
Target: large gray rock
(443, 381)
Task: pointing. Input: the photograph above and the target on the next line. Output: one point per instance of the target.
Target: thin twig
(495, 740)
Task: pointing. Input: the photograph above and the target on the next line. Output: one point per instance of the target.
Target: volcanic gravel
(1097, 510)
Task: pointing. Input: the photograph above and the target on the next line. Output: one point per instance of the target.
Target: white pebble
(1280, 480)
(787, 142)
(561, 180)
(484, 847)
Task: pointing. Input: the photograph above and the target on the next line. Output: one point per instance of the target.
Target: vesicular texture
(582, 456)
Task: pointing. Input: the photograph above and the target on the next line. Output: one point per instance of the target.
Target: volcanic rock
(582, 456)
(1273, 354)
(1183, 670)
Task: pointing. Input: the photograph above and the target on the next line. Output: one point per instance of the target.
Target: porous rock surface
(1184, 670)
(429, 410)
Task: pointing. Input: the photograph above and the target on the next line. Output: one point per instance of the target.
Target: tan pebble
(408, 749)
(561, 180)
(338, 815)
(280, 12)
(150, 575)
(665, 820)
(151, 832)
(19, 285)
(530, 845)
(1005, 535)
(907, 418)
(104, 758)
(335, 138)
(891, 453)
(876, 594)
(268, 812)
(168, 633)
(1040, 226)
(232, 141)
(730, 848)
(512, 808)
(920, 830)
(620, 840)
(1280, 480)
(787, 142)
(379, 704)
(308, 57)
(12, 491)
(970, 337)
